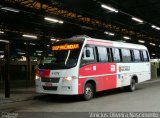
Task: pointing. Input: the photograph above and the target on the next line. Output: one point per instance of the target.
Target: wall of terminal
(18, 74)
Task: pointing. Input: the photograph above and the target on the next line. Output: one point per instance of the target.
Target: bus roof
(114, 43)
(102, 42)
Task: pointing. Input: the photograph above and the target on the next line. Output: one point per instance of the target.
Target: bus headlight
(37, 77)
(69, 78)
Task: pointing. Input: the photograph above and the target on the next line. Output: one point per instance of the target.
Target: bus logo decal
(124, 68)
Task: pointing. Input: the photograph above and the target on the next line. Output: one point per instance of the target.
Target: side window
(88, 55)
(102, 54)
(137, 57)
(145, 56)
(116, 55)
(126, 55)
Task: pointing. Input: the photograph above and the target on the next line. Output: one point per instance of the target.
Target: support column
(7, 76)
(29, 70)
(28, 65)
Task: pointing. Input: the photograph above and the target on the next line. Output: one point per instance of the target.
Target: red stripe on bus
(99, 43)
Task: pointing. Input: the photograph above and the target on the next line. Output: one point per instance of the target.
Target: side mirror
(87, 53)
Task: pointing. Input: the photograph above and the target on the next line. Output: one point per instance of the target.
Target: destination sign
(65, 47)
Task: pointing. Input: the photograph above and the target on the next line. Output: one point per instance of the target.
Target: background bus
(83, 65)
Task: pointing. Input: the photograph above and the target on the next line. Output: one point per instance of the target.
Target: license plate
(48, 84)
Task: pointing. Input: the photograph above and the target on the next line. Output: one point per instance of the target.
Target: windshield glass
(61, 56)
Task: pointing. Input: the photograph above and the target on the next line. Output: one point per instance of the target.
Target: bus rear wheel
(88, 91)
(132, 86)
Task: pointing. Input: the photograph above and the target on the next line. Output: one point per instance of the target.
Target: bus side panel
(126, 71)
(110, 82)
(104, 75)
(81, 82)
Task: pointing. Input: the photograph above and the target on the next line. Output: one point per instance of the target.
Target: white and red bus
(83, 65)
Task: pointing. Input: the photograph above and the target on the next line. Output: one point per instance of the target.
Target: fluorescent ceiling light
(18, 49)
(39, 51)
(1, 51)
(61, 22)
(21, 53)
(126, 37)
(152, 44)
(53, 20)
(32, 44)
(1, 56)
(10, 9)
(155, 27)
(158, 28)
(50, 55)
(109, 33)
(39, 54)
(138, 20)
(48, 45)
(1, 32)
(109, 8)
(4, 41)
(52, 39)
(153, 54)
(141, 41)
(29, 36)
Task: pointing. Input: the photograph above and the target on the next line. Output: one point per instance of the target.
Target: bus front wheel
(132, 86)
(88, 91)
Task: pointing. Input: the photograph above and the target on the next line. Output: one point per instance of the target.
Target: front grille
(53, 80)
(50, 87)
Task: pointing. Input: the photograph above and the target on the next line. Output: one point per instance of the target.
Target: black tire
(132, 86)
(88, 91)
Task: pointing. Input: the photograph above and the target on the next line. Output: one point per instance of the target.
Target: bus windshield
(61, 56)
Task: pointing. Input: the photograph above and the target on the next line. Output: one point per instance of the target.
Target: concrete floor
(145, 99)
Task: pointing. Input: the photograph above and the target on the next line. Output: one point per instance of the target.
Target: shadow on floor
(78, 98)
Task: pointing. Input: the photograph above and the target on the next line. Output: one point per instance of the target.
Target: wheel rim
(89, 92)
(133, 85)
